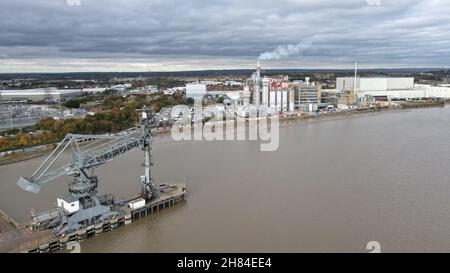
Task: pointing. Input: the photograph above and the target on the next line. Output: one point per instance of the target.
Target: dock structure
(169, 195)
(422, 104)
(81, 212)
(17, 238)
(13, 235)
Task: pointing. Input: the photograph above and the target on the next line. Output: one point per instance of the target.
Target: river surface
(334, 184)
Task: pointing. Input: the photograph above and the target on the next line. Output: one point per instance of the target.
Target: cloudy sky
(173, 35)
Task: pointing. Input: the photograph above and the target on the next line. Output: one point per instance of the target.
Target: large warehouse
(390, 88)
(41, 94)
(195, 90)
(375, 84)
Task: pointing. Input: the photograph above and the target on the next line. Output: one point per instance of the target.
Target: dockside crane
(82, 206)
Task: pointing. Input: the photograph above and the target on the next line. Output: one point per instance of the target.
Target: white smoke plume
(284, 51)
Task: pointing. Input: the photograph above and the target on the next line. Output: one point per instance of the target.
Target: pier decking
(169, 195)
(13, 236)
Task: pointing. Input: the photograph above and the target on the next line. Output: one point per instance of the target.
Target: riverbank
(402, 105)
(17, 157)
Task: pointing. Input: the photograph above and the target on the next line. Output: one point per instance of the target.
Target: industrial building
(276, 93)
(195, 90)
(374, 84)
(417, 93)
(306, 97)
(41, 94)
(337, 98)
(270, 92)
(279, 95)
(389, 88)
(94, 90)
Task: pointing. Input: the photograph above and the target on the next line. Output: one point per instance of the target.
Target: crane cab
(69, 203)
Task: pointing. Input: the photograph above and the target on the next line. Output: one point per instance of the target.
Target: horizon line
(237, 69)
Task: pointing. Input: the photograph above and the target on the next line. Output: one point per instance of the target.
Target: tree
(190, 101)
(72, 104)
(4, 144)
(155, 107)
(45, 124)
(24, 140)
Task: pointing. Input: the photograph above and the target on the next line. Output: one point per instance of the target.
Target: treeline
(49, 130)
(24, 140)
(107, 101)
(118, 113)
(161, 82)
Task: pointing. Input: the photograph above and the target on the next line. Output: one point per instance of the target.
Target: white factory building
(195, 90)
(94, 90)
(276, 94)
(375, 84)
(269, 92)
(390, 88)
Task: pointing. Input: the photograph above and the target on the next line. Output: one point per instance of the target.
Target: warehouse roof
(39, 91)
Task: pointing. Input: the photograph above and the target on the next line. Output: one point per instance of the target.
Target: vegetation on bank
(116, 113)
(110, 99)
(49, 130)
(17, 157)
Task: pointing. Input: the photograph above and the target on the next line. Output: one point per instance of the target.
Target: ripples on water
(333, 185)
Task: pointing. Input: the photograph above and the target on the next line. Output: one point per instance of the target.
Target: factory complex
(273, 93)
(277, 94)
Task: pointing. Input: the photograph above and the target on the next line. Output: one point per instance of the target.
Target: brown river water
(333, 185)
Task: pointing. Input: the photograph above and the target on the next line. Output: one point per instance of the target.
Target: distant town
(38, 110)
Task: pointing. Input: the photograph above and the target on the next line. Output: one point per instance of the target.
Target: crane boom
(101, 149)
(89, 151)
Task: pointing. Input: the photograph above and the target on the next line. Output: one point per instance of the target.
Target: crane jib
(98, 150)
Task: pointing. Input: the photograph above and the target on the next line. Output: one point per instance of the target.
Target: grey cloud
(220, 33)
